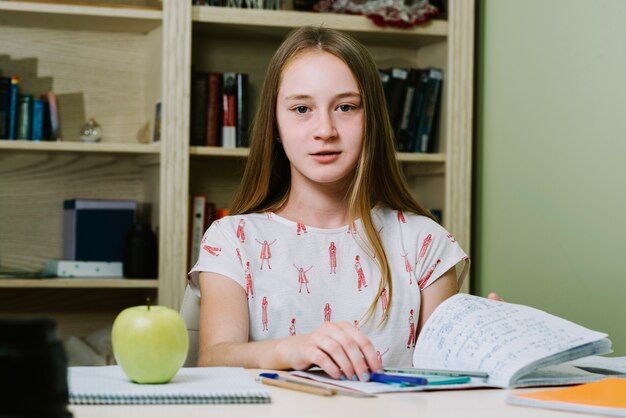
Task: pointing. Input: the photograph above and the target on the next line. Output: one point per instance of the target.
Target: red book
(229, 110)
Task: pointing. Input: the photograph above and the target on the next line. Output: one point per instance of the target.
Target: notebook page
(472, 333)
(109, 384)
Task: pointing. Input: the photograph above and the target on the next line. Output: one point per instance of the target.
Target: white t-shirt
(297, 276)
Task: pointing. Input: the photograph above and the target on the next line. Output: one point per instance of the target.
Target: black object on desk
(33, 369)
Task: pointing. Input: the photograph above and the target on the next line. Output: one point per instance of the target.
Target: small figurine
(91, 131)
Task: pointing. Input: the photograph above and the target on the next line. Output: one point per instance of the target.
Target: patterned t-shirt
(296, 276)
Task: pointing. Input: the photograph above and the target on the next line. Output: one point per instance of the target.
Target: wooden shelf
(243, 153)
(79, 16)
(80, 147)
(244, 23)
(219, 152)
(78, 283)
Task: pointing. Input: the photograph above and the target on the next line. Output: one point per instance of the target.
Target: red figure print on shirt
(352, 229)
(423, 280)
(360, 275)
(249, 288)
(425, 245)
(401, 217)
(411, 341)
(241, 234)
(327, 312)
(292, 327)
(452, 239)
(332, 251)
(239, 256)
(212, 250)
(380, 356)
(356, 323)
(268, 214)
(408, 267)
(302, 279)
(264, 314)
(384, 301)
(301, 228)
(266, 254)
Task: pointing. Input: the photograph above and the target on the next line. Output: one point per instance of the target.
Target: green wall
(550, 158)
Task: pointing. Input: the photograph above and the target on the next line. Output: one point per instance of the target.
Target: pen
(274, 379)
(402, 380)
(437, 372)
(268, 377)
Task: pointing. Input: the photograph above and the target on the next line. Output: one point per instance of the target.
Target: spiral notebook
(107, 385)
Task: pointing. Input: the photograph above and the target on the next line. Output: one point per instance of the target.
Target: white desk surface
(479, 403)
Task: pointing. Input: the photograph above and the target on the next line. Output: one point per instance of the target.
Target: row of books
(245, 4)
(202, 213)
(24, 116)
(219, 109)
(413, 99)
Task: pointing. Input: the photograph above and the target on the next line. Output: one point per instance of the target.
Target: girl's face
(320, 119)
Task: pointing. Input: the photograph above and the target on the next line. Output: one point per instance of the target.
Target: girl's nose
(325, 127)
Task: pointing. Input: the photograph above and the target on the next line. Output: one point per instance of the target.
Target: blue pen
(401, 380)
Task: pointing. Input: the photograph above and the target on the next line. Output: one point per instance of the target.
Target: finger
(495, 296)
(329, 341)
(361, 351)
(321, 359)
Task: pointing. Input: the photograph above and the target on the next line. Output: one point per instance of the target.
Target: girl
(322, 161)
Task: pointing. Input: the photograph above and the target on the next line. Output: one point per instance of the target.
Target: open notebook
(198, 385)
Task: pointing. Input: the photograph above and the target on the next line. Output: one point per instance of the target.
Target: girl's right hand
(339, 348)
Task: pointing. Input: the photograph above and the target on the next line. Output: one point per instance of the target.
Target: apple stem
(148, 302)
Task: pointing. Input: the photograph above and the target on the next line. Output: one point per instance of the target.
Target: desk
(479, 403)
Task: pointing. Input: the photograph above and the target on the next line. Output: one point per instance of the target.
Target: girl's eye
(301, 109)
(346, 107)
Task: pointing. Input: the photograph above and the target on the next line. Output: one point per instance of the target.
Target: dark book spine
(24, 116)
(417, 107)
(214, 109)
(397, 90)
(229, 110)
(12, 119)
(432, 99)
(5, 89)
(242, 110)
(36, 130)
(197, 123)
(403, 135)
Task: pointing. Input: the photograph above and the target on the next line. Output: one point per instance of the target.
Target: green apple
(150, 343)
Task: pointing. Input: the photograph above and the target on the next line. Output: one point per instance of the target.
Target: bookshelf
(102, 61)
(114, 63)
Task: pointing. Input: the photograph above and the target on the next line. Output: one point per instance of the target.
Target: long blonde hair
(377, 180)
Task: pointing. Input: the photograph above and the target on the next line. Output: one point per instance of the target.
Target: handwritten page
(502, 339)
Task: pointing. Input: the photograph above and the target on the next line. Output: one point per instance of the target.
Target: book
(198, 111)
(514, 344)
(24, 116)
(605, 397)
(213, 118)
(242, 110)
(432, 97)
(36, 130)
(229, 110)
(156, 132)
(5, 91)
(404, 136)
(197, 221)
(12, 115)
(54, 132)
(107, 385)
